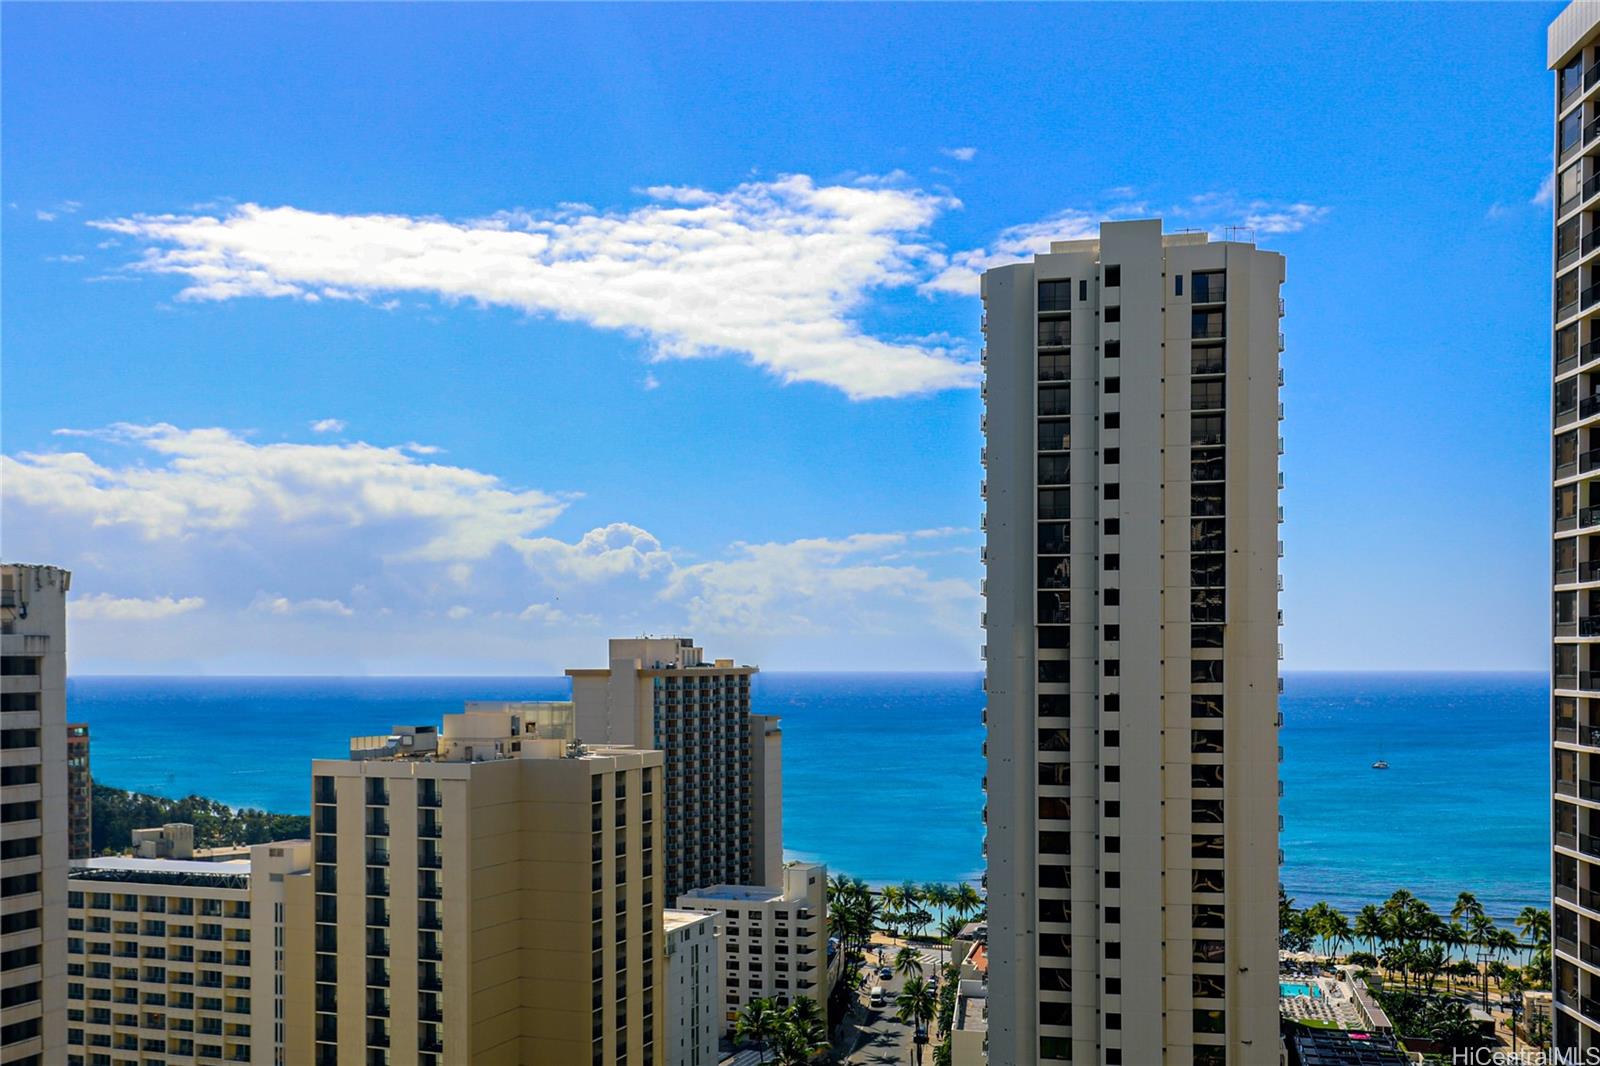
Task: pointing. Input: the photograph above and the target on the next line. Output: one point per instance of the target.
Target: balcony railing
(1588, 516)
(1210, 294)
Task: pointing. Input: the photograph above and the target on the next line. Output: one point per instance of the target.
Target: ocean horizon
(882, 772)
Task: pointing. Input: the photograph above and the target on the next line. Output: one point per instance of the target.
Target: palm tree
(908, 961)
(802, 1032)
(1369, 926)
(1535, 925)
(759, 1021)
(910, 894)
(915, 1006)
(967, 902)
(1513, 987)
(949, 929)
(1483, 934)
(1336, 930)
(1467, 906)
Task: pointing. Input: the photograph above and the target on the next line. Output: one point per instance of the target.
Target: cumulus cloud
(1546, 193)
(966, 155)
(770, 270)
(106, 608)
(356, 553)
(328, 425)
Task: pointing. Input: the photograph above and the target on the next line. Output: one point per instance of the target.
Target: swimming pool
(1287, 989)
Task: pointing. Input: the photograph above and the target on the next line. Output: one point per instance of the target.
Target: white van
(877, 996)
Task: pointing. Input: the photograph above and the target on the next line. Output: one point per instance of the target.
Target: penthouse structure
(179, 961)
(724, 777)
(773, 938)
(488, 892)
(33, 814)
(1131, 451)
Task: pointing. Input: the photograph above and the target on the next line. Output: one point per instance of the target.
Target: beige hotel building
(33, 814)
(1131, 448)
(486, 893)
(1574, 56)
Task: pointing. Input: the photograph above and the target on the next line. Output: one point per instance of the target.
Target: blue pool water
(882, 772)
(1287, 989)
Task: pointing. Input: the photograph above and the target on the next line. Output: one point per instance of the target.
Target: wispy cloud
(328, 425)
(1546, 192)
(106, 608)
(283, 605)
(966, 155)
(772, 270)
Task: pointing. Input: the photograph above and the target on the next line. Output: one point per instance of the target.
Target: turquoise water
(1286, 989)
(882, 772)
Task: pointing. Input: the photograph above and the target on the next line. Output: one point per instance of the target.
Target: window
(1113, 949)
(1055, 470)
(1210, 950)
(1112, 420)
(1055, 503)
(1083, 291)
(1205, 429)
(1205, 324)
(1113, 597)
(1572, 130)
(1054, 671)
(1114, 313)
(1113, 490)
(1113, 349)
(1177, 284)
(1206, 671)
(1113, 878)
(1055, 1048)
(1055, 400)
(1113, 738)
(1113, 809)
(1113, 526)
(1113, 456)
(1210, 287)
(1113, 667)
(1113, 845)
(1113, 277)
(1113, 773)
(1055, 740)
(1055, 773)
(1054, 538)
(1206, 396)
(1053, 1012)
(1568, 187)
(1206, 636)
(1113, 385)
(1113, 632)
(1056, 807)
(1566, 292)
(1055, 843)
(1567, 238)
(1055, 332)
(1210, 986)
(1572, 77)
(1209, 1021)
(1055, 295)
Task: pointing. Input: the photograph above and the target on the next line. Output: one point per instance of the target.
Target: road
(879, 1037)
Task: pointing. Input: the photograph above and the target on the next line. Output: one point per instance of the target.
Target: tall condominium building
(33, 814)
(179, 961)
(723, 796)
(1131, 445)
(1574, 54)
(488, 893)
(694, 974)
(773, 938)
(80, 793)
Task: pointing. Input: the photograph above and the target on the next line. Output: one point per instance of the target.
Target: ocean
(882, 772)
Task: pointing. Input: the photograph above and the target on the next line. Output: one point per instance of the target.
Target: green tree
(949, 929)
(967, 902)
(1369, 926)
(908, 962)
(759, 1021)
(915, 1006)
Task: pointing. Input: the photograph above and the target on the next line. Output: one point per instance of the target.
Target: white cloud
(820, 585)
(63, 259)
(328, 425)
(1219, 213)
(1546, 193)
(213, 480)
(45, 216)
(444, 567)
(966, 155)
(101, 607)
(772, 270)
(283, 605)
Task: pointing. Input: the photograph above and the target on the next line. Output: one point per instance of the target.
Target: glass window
(1055, 503)
(1569, 186)
(1210, 287)
(1566, 290)
(1205, 396)
(1567, 238)
(1567, 343)
(1055, 469)
(1572, 76)
(1055, 332)
(1055, 295)
(1055, 436)
(1571, 130)
(1113, 276)
(1057, 399)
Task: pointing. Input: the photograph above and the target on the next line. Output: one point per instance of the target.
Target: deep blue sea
(882, 771)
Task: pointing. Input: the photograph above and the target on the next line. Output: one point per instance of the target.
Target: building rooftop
(230, 874)
(738, 893)
(672, 918)
(1340, 1047)
(972, 1007)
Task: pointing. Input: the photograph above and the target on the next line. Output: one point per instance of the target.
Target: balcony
(1210, 294)
(1588, 516)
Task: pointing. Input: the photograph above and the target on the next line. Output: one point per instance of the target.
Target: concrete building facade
(33, 814)
(480, 895)
(1574, 56)
(693, 971)
(1131, 453)
(179, 961)
(773, 938)
(724, 778)
(80, 793)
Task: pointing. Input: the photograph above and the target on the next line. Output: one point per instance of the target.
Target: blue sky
(455, 338)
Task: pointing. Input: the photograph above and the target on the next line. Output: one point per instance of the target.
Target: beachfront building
(693, 1019)
(1574, 56)
(485, 892)
(80, 793)
(1131, 452)
(773, 938)
(33, 813)
(724, 779)
(177, 960)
